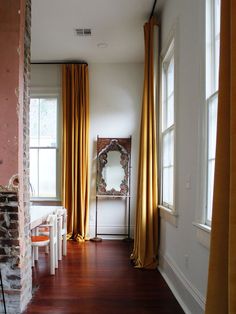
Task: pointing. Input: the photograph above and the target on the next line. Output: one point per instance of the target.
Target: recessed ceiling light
(102, 45)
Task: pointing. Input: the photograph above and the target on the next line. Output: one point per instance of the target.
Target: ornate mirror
(113, 159)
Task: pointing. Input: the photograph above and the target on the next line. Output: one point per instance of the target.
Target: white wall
(45, 76)
(183, 259)
(115, 103)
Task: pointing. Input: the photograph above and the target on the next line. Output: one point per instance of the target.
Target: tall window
(212, 76)
(167, 129)
(44, 145)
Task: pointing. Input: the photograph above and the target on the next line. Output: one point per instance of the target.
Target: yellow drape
(146, 234)
(75, 183)
(221, 294)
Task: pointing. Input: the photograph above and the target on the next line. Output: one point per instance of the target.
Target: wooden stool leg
(64, 245)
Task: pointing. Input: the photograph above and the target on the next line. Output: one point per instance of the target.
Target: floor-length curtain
(146, 233)
(75, 185)
(221, 294)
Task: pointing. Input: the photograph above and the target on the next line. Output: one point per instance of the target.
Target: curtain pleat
(221, 292)
(146, 233)
(75, 182)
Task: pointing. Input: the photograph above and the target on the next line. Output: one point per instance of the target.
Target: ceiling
(117, 23)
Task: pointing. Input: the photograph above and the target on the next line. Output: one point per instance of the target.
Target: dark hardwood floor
(98, 278)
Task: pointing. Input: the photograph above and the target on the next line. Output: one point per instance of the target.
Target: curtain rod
(153, 8)
(60, 62)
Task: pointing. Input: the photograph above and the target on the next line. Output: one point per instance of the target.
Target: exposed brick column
(25, 240)
(10, 250)
(15, 245)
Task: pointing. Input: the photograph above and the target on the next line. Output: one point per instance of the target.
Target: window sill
(203, 234)
(38, 199)
(168, 215)
(45, 202)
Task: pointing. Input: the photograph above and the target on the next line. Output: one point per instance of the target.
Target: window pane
(208, 49)
(168, 94)
(168, 149)
(47, 173)
(217, 61)
(170, 77)
(34, 172)
(164, 99)
(163, 121)
(168, 128)
(168, 187)
(170, 111)
(210, 186)
(34, 125)
(48, 122)
(212, 125)
(212, 46)
(168, 169)
(217, 17)
(43, 172)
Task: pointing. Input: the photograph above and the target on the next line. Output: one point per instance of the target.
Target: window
(212, 76)
(44, 147)
(167, 129)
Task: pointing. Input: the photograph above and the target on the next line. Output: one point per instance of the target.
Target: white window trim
(203, 234)
(51, 92)
(209, 7)
(170, 214)
(208, 100)
(203, 230)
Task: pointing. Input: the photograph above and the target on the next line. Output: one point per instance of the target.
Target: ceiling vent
(83, 31)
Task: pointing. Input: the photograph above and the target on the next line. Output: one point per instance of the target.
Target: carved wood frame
(105, 145)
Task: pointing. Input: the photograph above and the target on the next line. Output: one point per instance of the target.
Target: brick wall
(15, 245)
(10, 250)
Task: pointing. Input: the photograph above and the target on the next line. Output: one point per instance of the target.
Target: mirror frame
(104, 146)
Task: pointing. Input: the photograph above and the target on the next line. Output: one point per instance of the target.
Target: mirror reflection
(113, 173)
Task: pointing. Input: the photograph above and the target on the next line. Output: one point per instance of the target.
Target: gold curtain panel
(146, 234)
(75, 183)
(221, 294)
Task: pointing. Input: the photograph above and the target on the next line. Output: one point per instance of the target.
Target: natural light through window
(167, 132)
(212, 77)
(43, 147)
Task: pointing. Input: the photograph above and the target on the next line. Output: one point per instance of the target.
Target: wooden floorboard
(98, 278)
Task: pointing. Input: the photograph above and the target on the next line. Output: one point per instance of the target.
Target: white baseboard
(117, 229)
(190, 298)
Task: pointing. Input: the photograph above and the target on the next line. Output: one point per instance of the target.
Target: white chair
(62, 232)
(47, 240)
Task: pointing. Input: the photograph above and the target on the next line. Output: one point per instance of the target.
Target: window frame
(207, 160)
(166, 58)
(211, 92)
(47, 93)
